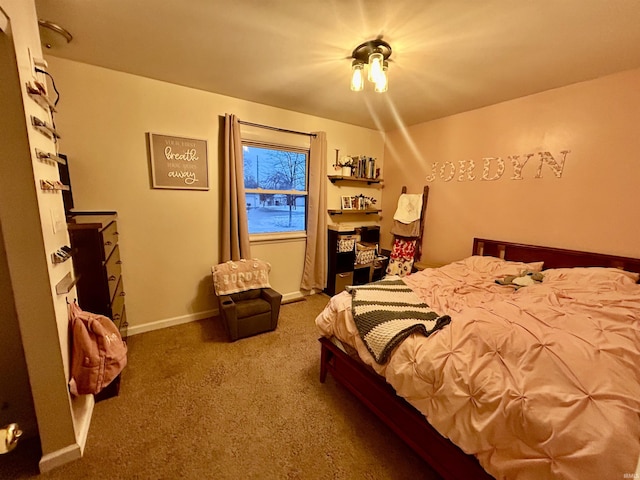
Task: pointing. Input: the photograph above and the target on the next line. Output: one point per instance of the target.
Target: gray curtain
(235, 226)
(314, 275)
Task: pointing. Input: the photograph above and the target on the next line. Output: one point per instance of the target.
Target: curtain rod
(277, 129)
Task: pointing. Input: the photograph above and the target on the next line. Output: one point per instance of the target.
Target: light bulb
(382, 84)
(375, 66)
(357, 77)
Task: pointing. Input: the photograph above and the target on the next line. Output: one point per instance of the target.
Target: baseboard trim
(170, 322)
(194, 317)
(82, 426)
(58, 458)
(292, 297)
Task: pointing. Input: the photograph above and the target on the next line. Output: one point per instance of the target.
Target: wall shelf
(342, 178)
(368, 211)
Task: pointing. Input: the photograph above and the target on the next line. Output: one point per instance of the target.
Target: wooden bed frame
(408, 423)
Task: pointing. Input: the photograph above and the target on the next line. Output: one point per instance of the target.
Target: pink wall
(594, 205)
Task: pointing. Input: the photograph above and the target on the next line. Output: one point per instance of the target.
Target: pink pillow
(497, 267)
(591, 275)
(239, 276)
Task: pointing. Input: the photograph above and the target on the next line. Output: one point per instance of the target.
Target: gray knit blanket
(388, 311)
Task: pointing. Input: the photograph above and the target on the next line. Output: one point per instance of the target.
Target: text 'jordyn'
(493, 168)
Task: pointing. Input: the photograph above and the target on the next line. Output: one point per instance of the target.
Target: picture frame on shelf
(346, 202)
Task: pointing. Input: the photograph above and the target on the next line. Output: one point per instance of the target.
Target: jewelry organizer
(55, 185)
(37, 93)
(51, 157)
(44, 128)
(40, 97)
(61, 255)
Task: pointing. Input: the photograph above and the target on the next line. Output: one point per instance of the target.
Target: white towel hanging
(409, 208)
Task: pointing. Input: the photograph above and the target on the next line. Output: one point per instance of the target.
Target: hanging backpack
(98, 353)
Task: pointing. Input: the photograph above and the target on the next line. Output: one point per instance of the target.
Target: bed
(529, 382)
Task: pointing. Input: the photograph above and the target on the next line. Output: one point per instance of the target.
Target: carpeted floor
(195, 406)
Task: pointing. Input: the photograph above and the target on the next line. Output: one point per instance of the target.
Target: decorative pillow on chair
(241, 275)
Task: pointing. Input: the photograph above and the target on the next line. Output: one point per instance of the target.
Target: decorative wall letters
(493, 168)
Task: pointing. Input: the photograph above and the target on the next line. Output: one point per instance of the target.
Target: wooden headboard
(552, 257)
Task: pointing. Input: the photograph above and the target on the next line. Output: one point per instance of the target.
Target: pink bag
(98, 353)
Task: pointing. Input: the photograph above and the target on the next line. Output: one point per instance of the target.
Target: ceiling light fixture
(54, 27)
(375, 54)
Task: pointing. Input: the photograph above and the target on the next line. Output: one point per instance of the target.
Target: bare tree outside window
(276, 188)
(289, 173)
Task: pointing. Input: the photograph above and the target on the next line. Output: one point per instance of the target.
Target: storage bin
(365, 253)
(347, 243)
(343, 280)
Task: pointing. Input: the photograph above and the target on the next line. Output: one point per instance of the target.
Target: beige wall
(170, 238)
(593, 206)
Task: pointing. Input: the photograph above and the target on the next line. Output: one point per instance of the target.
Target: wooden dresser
(97, 265)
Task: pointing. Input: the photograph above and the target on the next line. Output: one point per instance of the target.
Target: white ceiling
(449, 56)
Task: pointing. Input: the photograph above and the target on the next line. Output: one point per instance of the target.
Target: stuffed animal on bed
(526, 278)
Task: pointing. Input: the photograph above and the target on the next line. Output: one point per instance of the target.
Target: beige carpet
(194, 406)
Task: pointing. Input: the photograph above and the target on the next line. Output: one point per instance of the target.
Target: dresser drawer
(118, 312)
(123, 325)
(110, 238)
(117, 304)
(113, 269)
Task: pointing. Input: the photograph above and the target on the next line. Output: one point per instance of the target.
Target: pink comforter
(539, 382)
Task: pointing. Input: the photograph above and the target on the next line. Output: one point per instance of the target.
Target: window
(275, 181)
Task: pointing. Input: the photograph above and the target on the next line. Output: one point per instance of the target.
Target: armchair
(247, 303)
(249, 313)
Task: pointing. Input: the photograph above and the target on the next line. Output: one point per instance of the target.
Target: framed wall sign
(178, 162)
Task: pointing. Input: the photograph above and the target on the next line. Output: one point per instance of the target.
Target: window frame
(280, 235)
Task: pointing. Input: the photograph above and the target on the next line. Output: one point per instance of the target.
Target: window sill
(259, 238)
